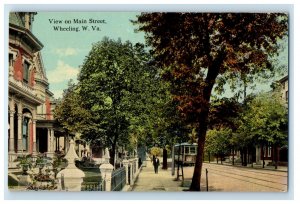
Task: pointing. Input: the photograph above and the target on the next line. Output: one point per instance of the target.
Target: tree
(201, 50)
(223, 113)
(264, 120)
(218, 142)
(70, 113)
(124, 94)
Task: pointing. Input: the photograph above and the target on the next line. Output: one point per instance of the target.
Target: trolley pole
(206, 171)
(173, 160)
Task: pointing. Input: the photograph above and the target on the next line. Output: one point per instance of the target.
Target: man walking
(156, 164)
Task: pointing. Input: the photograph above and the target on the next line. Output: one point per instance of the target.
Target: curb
(249, 167)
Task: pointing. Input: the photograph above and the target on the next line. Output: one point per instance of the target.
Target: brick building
(32, 128)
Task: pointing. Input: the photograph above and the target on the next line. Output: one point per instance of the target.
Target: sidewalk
(163, 181)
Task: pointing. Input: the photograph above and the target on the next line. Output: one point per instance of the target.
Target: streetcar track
(253, 182)
(250, 170)
(250, 177)
(257, 173)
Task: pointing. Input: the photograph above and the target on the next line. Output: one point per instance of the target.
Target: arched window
(11, 59)
(25, 133)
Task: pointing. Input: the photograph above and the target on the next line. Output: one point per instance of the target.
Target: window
(192, 150)
(26, 72)
(287, 96)
(186, 150)
(11, 58)
(22, 16)
(25, 133)
(268, 150)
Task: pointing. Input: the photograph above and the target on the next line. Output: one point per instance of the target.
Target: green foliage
(119, 98)
(25, 162)
(114, 82)
(223, 113)
(264, 119)
(155, 151)
(58, 163)
(218, 141)
(70, 112)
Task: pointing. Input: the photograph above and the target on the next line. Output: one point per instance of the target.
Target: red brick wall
(18, 67)
(48, 108)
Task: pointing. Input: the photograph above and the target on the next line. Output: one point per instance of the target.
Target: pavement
(164, 181)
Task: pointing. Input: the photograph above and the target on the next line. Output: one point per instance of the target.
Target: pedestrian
(155, 164)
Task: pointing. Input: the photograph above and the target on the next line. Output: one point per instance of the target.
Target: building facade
(269, 152)
(284, 87)
(32, 128)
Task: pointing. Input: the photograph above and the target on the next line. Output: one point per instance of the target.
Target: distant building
(284, 82)
(269, 152)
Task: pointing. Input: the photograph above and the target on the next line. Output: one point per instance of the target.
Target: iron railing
(93, 186)
(118, 179)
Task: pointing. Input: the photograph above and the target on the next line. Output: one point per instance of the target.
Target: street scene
(134, 101)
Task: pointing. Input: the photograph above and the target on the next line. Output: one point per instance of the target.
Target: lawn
(91, 175)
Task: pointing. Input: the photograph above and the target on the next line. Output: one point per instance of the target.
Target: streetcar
(185, 153)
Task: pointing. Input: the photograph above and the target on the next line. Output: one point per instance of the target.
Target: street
(240, 179)
(222, 178)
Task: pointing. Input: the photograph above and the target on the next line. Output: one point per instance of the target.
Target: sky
(65, 49)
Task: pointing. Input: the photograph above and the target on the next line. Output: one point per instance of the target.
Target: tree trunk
(233, 157)
(245, 156)
(242, 156)
(165, 157)
(205, 94)
(248, 154)
(195, 185)
(263, 155)
(208, 157)
(276, 156)
(113, 152)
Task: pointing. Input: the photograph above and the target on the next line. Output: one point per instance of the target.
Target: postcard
(147, 102)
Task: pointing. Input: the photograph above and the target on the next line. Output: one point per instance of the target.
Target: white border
(135, 6)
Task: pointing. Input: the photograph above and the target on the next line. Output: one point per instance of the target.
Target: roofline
(27, 32)
(185, 143)
(49, 92)
(285, 78)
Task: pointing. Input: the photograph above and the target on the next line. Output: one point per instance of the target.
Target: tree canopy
(264, 119)
(119, 100)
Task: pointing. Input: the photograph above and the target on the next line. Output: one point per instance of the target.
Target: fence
(93, 186)
(129, 175)
(93, 180)
(133, 167)
(118, 179)
(122, 178)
